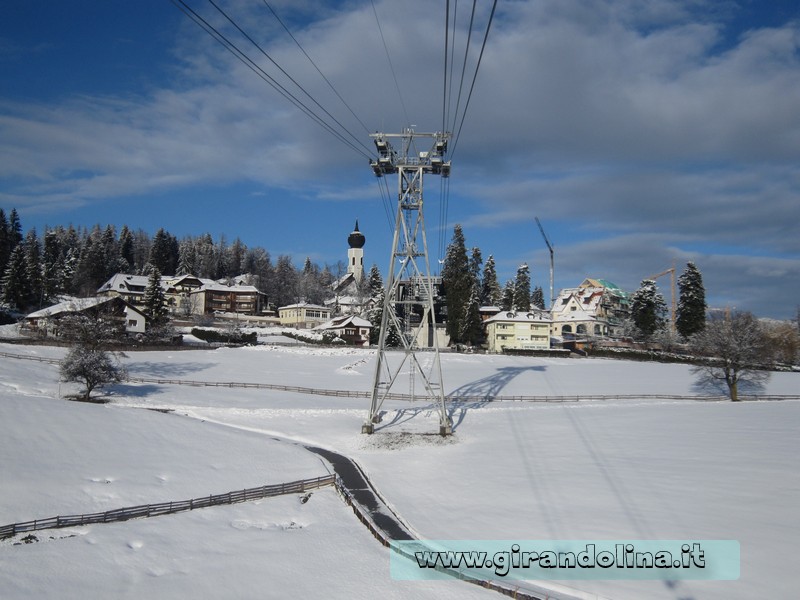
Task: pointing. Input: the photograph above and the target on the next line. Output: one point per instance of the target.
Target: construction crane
(671, 272)
(552, 262)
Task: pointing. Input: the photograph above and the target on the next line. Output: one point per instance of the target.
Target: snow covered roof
(68, 306)
(534, 315)
(243, 279)
(342, 322)
(220, 287)
(304, 305)
(175, 281)
(122, 282)
(345, 301)
(343, 282)
(75, 305)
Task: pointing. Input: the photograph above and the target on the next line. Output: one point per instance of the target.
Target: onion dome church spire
(355, 255)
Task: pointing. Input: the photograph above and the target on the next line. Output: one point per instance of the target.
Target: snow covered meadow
(622, 469)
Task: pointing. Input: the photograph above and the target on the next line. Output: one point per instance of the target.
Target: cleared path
(359, 488)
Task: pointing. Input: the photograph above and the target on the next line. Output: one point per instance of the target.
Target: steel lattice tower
(409, 287)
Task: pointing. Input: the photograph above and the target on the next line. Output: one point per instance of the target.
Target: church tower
(355, 254)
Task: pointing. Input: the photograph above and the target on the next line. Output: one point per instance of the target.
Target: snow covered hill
(627, 469)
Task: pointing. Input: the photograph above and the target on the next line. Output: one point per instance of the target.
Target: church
(349, 295)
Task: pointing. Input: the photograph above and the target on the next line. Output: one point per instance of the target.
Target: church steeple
(356, 239)
(355, 255)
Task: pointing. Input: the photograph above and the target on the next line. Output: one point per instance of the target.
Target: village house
(303, 315)
(187, 295)
(596, 308)
(514, 330)
(128, 287)
(221, 298)
(352, 329)
(45, 322)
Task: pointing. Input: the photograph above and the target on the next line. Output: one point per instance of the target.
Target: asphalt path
(362, 492)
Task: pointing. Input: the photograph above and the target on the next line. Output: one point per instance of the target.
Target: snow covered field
(626, 469)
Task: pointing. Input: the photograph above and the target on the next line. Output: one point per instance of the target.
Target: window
(581, 328)
(566, 329)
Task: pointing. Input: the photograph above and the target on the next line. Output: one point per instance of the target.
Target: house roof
(532, 316)
(304, 305)
(76, 305)
(342, 322)
(343, 282)
(219, 287)
(122, 282)
(177, 280)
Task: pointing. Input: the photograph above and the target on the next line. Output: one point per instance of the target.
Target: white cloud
(645, 124)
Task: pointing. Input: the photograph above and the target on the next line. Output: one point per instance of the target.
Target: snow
(622, 469)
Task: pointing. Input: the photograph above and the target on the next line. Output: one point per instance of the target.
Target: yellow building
(303, 315)
(518, 330)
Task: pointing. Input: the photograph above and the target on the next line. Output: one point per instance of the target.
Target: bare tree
(88, 361)
(93, 368)
(735, 349)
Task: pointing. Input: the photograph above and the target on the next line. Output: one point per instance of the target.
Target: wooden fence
(458, 400)
(166, 508)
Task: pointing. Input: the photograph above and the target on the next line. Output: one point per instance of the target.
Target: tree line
(36, 271)
(468, 284)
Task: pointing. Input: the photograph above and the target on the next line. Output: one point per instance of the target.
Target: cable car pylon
(409, 286)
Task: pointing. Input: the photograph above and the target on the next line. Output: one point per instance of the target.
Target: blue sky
(640, 132)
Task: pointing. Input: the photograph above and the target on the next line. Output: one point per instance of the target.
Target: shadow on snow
(469, 396)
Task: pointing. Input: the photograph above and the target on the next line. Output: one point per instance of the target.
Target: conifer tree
(522, 289)
(53, 263)
(507, 300)
(259, 264)
(537, 298)
(475, 263)
(457, 284)
(164, 253)
(285, 281)
(186, 258)
(5, 242)
(33, 270)
(471, 326)
(648, 309)
(691, 310)
(234, 258)
(155, 302)
(14, 230)
(376, 296)
(91, 271)
(126, 250)
(491, 294)
(15, 288)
